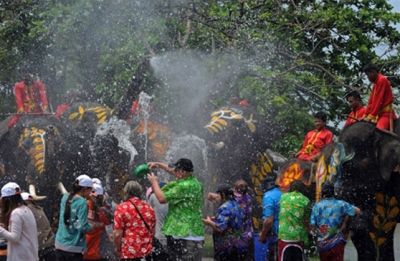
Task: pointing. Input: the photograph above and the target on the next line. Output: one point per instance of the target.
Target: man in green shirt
(295, 209)
(183, 224)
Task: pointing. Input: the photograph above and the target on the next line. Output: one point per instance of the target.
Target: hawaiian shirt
(270, 204)
(185, 203)
(229, 219)
(137, 240)
(294, 212)
(328, 214)
(245, 202)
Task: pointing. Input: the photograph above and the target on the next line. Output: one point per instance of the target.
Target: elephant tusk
(61, 187)
(32, 191)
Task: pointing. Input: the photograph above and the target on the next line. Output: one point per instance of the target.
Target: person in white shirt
(21, 234)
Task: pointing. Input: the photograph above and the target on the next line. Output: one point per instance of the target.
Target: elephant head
(373, 148)
(31, 154)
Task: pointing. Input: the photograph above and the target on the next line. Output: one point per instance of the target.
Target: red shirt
(355, 115)
(314, 142)
(32, 98)
(381, 96)
(137, 240)
(93, 237)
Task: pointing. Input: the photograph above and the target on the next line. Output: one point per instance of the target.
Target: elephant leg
(368, 250)
(365, 248)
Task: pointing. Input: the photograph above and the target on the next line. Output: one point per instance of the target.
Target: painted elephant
(238, 144)
(370, 181)
(95, 146)
(31, 153)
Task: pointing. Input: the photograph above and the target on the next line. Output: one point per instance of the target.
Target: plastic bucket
(260, 249)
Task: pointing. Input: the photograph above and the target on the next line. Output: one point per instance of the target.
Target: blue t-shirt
(270, 204)
(327, 216)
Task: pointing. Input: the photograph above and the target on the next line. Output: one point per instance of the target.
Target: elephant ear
(388, 156)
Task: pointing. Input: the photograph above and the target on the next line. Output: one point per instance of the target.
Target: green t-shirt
(185, 203)
(295, 209)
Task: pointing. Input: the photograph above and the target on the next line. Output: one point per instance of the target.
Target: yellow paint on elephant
(219, 120)
(385, 218)
(158, 135)
(102, 113)
(37, 152)
(291, 173)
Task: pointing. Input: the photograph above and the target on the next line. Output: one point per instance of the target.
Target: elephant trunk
(32, 191)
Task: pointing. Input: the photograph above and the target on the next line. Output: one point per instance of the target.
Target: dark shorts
(187, 250)
(68, 256)
(334, 254)
(290, 251)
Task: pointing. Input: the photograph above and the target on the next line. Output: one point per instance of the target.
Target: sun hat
(96, 181)
(97, 189)
(84, 181)
(10, 189)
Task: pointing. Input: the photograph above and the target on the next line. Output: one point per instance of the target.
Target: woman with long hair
(73, 223)
(18, 218)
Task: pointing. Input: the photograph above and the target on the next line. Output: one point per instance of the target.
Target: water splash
(192, 147)
(144, 113)
(121, 131)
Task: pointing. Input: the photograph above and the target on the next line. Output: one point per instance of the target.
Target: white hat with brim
(98, 189)
(10, 189)
(84, 181)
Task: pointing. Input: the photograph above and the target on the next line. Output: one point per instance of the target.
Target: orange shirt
(380, 99)
(355, 115)
(93, 237)
(314, 142)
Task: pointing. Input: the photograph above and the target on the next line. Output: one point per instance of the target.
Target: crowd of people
(166, 221)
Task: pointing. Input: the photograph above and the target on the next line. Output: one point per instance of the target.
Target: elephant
(31, 154)
(370, 181)
(238, 143)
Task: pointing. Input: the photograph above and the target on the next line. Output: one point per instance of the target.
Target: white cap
(98, 189)
(26, 196)
(96, 181)
(10, 189)
(85, 181)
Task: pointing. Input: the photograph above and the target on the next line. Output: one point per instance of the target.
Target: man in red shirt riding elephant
(357, 108)
(30, 95)
(315, 139)
(379, 109)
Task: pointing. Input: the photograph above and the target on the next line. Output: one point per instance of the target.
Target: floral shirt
(294, 212)
(328, 215)
(185, 203)
(137, 239)
(245, 202)
(229, 219)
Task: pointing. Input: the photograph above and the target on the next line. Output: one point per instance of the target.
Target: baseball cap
(97, 189)
(84, 181)
(96, 181)
(10, 189)
(26, 196)
(183, 164)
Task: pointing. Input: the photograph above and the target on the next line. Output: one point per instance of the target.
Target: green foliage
(298, 56)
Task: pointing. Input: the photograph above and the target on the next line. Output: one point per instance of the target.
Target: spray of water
(121, 131)
(144, 114)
